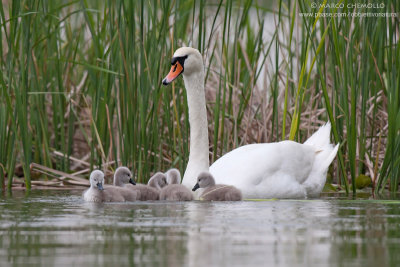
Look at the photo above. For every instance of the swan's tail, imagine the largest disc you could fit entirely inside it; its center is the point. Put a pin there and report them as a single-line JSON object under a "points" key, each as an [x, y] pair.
{"points": [[321, 137], [325, 153]]}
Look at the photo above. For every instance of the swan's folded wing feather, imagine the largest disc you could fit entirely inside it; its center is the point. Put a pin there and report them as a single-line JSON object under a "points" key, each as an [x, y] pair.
{"points": [[252, 165]]}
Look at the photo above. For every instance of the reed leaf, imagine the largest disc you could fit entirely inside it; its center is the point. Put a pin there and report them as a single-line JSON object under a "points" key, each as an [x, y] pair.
{"points": [[82, 80]]}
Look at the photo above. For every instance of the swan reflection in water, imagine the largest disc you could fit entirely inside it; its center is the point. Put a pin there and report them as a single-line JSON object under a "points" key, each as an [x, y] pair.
{"points": [[48, 229]]}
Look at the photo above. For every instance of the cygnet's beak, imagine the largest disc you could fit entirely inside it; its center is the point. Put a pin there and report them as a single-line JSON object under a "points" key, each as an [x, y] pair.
{"points": [[196, 187], [132, 181], [100, 186]]}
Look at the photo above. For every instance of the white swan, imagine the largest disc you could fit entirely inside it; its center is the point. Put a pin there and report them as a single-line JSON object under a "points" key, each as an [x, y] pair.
{"points": [[271, 170]]}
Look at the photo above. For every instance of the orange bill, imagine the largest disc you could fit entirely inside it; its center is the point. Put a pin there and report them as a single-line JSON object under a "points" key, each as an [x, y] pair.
{"points": [[176, 69]]}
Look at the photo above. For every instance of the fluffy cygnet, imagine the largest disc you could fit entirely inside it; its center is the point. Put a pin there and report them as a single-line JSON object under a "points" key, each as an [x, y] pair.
{"points": [[123, 177], [213, 192], [174, 191], [97, 193], [158, 181]]}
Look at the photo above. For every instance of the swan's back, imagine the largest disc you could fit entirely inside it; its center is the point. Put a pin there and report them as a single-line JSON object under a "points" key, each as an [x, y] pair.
{"points": [[278, 170], [266, 170]]}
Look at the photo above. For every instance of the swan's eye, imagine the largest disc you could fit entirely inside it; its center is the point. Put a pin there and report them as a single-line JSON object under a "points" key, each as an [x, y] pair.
{"points": [[181, 60]]}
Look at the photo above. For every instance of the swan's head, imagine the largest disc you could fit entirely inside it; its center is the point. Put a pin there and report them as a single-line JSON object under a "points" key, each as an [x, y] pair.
{"points": [[173, 176], [186, 60], [97, 179], [205, 179], [123, 176], [158, 180]]}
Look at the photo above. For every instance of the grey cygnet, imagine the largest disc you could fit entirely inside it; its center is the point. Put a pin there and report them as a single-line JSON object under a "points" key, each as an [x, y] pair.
{"points": [[216, 192], [174, 191], [99, 193], [123, 178]]}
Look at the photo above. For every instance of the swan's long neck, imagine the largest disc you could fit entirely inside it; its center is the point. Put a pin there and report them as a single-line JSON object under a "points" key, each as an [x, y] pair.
{"points": [[198, 156]]}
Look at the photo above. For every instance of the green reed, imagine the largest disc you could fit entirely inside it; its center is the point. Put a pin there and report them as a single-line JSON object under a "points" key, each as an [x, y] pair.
{"points": [[83, 79]]}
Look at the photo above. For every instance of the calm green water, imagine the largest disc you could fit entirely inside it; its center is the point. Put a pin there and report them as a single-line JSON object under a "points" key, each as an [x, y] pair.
{"points": [[54, 228]]}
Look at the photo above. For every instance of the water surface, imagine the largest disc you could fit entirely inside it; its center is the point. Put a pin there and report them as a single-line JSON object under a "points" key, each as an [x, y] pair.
{"points": [[49, 228]]}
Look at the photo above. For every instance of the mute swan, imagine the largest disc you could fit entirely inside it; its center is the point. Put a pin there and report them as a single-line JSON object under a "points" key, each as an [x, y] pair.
{"points": [[174, 191], [213, 192], [270, 170], [97, 193], [123, 178]]}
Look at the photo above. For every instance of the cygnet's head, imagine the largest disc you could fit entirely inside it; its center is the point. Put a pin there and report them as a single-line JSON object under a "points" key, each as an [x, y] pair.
{"points": [[186, 60], [123, 176], [205, 179], [158, 180], [97, 179], [173, 176]]}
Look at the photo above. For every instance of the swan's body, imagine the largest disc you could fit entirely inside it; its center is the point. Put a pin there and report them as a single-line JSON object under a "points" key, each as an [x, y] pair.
{"points": [[275, 170], [174, 191]]}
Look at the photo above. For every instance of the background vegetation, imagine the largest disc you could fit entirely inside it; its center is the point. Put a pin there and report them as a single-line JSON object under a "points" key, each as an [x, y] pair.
{"points": [[80, 83]]}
